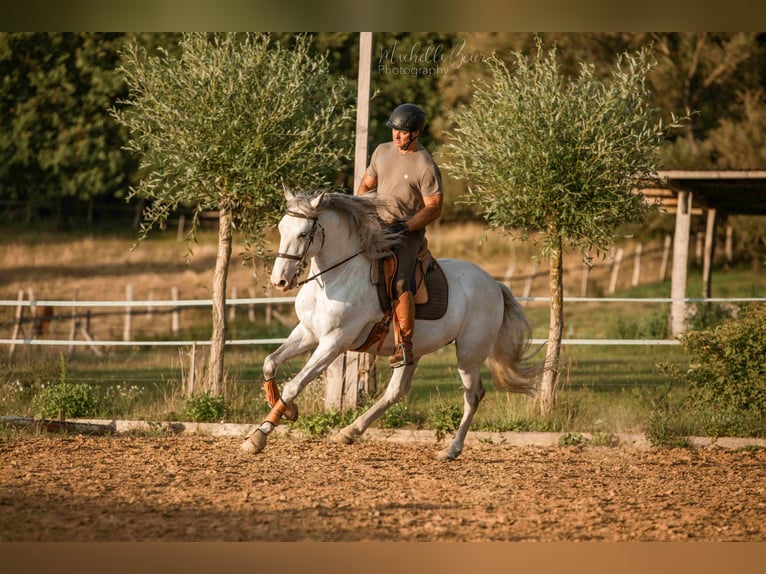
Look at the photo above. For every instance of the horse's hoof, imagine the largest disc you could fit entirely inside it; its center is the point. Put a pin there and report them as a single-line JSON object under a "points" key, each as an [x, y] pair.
{"points": [[344, 437], [445, 455], [291, 413], [254, 443]]}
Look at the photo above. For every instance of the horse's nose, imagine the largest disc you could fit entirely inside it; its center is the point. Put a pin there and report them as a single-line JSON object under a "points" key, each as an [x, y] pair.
{"points": [[282, 284]]}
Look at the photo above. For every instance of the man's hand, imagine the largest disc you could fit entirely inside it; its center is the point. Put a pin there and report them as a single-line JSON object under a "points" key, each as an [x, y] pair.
{"points": [[397, 228]]}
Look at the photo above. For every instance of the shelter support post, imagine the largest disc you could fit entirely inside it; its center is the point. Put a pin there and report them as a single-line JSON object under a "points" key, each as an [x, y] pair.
{"points": [[707, 264], [352, 374], [680, 263]]}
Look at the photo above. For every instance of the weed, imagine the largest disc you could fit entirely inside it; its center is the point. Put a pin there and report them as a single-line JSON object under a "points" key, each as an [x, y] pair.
{"points": [[651, 326], [62, 400], [444, 418], [605, 439], [572, 439], [205, 407], [665, 425], [320, 424], [397, 416]]}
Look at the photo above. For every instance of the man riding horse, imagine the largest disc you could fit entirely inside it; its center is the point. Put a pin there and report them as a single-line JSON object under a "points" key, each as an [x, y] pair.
{"points": [[408, 181]]}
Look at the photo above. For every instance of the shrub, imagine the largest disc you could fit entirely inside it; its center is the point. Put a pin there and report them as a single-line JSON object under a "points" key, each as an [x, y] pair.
{"points": [[665, 423], [397, 416], [652, 326], [707, 316], [206, 407], [727, 367], [445, 418], [572, 439], [320, 424], [67, 400]]}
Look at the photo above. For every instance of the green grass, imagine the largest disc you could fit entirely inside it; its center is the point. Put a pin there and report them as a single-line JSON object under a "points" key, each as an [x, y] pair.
{"points": [[603, 389]]}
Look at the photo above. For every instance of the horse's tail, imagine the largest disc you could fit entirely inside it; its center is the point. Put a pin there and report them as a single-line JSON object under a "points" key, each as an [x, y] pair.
{"points": [[511, 348]]}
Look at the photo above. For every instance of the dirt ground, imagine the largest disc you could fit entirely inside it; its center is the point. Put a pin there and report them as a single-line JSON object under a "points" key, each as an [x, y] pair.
{"points": [[193, 488]]}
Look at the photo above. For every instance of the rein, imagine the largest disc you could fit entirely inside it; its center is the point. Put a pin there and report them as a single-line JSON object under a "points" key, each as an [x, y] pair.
{"points": [[301, 259], [349, 258]]}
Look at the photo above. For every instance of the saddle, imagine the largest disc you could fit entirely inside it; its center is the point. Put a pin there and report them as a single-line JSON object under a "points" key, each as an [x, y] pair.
{"points": [[428, 284]]}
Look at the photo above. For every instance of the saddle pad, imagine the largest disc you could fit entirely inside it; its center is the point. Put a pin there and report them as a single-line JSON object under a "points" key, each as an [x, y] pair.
{"points": [[438, 293]]}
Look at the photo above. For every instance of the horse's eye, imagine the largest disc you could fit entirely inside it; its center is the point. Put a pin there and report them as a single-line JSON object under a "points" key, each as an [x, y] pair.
{"points": [[304, 235]]}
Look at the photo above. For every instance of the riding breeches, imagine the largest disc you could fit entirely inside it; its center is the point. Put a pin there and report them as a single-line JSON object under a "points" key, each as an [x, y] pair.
{"points": [[407, 254]]}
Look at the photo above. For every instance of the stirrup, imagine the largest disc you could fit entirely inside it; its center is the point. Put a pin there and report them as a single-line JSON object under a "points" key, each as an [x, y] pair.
{"points": [[401, 357]]}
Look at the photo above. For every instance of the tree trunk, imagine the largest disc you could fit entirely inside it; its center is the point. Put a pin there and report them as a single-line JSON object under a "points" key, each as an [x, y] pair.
{"points": [[555, 331], [215, 368]]}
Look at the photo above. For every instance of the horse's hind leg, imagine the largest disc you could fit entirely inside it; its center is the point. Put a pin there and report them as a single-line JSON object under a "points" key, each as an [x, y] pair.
{"points": [[473, 392], [397, 388]]}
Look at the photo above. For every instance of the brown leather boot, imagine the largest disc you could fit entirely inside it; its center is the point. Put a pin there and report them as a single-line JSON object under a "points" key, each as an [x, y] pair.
{"points": [[404, 311]]}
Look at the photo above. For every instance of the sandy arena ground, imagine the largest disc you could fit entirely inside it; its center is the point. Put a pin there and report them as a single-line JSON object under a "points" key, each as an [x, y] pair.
{"points": [[203, 488]]}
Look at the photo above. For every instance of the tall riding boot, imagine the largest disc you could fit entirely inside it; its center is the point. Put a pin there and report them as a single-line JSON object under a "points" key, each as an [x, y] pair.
{"points": [[404, 310]]}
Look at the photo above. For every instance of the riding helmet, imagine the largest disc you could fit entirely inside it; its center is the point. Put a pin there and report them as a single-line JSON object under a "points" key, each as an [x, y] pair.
{"points": [[407, 118]]}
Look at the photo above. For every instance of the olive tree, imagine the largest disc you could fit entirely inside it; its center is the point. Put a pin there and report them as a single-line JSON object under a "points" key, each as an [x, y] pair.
{"points": [[557, 160], [222, 126]]}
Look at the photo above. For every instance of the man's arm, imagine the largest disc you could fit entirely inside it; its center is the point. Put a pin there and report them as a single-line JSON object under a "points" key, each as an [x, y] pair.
{"points": [[368, 183], [430, 212]]}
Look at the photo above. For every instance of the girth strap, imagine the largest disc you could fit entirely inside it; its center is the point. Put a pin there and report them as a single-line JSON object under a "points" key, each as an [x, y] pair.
{"points": [[377, 334]]}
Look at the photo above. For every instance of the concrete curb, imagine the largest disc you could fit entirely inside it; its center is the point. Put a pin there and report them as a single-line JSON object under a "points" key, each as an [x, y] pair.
{"points": [[407, 436]]}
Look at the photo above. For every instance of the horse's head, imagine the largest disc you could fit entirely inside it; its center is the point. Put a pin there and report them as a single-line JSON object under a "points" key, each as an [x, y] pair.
{"points": [[300, 238]]}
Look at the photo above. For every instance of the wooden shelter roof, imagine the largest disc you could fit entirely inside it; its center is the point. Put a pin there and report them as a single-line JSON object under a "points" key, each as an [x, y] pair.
{"points": [[734, 192]]}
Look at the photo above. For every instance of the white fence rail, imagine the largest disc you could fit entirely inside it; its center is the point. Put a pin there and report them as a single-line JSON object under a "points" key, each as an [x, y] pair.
{"points": [[281, 300]]}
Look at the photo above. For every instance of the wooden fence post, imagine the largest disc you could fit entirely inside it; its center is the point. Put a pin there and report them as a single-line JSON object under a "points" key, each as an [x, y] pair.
{"points": [[268, 310], [180, 231], [32, 311], [175, 320], [75, 324], [127, 327], [665, 258], [251, 307], [150, 308], [615, 271], [530, 280], [232, 307], [191, 381], [636, 279], [586, 267], [18, 318]]}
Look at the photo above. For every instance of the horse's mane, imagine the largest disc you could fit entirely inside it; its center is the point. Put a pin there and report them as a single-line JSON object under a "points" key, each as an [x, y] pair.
{"points": [[362, 214]]}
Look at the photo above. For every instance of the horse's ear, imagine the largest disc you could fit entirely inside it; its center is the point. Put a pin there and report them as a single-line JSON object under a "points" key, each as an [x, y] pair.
{"points": [[288, 194], [317, 200]]}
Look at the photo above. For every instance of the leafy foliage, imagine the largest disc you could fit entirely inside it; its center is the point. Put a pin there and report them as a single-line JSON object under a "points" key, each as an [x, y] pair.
{"points": [[445, 418], [320, 424], [558, 155], [397, 416], [558, 158], [57, 140], [665, 424], [230, 120], [205, 407], [727, 364], [68, 400]]}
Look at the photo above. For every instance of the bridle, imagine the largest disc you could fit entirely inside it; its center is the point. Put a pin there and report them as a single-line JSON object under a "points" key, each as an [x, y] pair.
{"points": [[301, 259]]}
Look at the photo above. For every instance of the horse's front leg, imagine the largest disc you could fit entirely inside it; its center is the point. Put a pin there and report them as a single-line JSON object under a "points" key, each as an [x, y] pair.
{"points": [[328, 349], [299, 341]]}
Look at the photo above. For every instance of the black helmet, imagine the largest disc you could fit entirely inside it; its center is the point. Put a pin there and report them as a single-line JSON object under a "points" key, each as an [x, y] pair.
{"points": [[407, 118]]}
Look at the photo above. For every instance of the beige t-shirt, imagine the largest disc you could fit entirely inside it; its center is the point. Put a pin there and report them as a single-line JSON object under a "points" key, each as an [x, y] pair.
{"points": [[403, 180]]}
